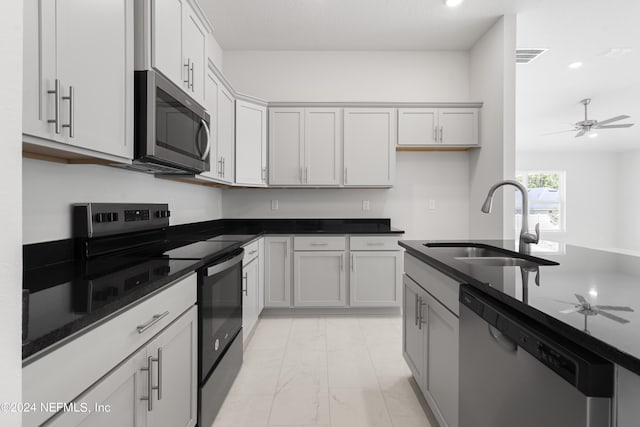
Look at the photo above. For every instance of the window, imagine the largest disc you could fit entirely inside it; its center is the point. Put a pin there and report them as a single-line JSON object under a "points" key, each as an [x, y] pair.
{"points": [[546, 199]]}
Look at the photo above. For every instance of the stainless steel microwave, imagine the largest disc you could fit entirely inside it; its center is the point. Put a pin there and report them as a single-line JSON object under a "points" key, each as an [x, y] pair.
{"points": [[171, 129]]}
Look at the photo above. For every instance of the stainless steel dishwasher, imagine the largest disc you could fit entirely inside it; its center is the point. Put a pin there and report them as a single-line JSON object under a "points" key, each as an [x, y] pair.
{"points": [[514, 375]]}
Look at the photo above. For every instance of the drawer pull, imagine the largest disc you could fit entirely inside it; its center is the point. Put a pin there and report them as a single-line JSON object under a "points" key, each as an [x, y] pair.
{"points": [[320, 244], [375, 243], [253, 252], [155, 319]]}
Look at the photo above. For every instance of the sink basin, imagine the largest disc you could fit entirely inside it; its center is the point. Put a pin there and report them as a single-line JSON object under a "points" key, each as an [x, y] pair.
{"points": [[499, 261], [481, 254]]}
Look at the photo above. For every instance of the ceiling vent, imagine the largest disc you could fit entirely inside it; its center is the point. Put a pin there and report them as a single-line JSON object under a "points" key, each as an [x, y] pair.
{"points": [[527, 55]]}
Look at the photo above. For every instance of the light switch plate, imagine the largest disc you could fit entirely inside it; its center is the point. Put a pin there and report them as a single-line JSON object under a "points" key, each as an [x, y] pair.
{"points": [[366, 205], [432, 204], [274, 205]]}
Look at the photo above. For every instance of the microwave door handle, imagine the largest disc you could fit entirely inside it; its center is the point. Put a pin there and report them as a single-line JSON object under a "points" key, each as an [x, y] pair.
{"points": [[206, 131]]}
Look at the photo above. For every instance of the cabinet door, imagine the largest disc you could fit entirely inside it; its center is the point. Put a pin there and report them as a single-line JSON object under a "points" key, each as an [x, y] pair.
{"points": [[417, 126], [442, 361], [194, 53], [115, 400], [319, 279], [286, 146], [375, 278], [277, 272], [211, 104], [323, 146], [413, 336], [226, 137], [39, 69], [260, 275], [249, 298], [458, 126], [95, 58], [175, 373], [251, 135], [166, 42], [369, 146]]}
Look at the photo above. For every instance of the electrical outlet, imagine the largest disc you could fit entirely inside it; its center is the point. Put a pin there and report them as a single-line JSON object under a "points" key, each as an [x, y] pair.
{"points": [[274, 205], [366, 205], [432, 204]]}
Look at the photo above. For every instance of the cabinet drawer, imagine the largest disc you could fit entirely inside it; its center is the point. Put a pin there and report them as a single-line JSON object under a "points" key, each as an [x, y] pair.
{"points": [[444, 289], [53, 378], [320, 243], [250, 252], [374, 243]]}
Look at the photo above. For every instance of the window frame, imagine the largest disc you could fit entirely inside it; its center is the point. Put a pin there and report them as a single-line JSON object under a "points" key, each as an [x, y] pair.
{"points": [[562, 190]]}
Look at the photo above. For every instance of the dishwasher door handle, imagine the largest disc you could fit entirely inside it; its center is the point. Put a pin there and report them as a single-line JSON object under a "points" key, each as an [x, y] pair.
{"points": [[503, 341]]}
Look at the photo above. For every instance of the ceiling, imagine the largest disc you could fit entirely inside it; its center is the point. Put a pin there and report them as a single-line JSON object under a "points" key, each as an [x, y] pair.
{"points": [[548, 92]]}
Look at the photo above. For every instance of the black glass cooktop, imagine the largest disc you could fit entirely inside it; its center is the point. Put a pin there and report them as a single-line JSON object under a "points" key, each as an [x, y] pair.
{"points": [[590, 294], [199, 250]]}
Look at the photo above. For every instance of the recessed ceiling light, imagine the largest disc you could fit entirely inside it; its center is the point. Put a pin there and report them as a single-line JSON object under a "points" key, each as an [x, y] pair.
{"points": [[575, 65], [593, 293], [593, 135], [453, 3]]}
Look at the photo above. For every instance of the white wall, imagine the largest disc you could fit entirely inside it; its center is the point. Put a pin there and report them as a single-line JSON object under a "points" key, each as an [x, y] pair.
{"points": [[420, 176], [10, 214], [349, 76], [492, 80], [628, 208], [591, 197], [364, 76], [50, 188]]}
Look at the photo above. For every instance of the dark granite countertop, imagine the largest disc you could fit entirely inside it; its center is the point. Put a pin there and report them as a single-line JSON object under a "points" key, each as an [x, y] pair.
{"points": [[64, 295], [545, 294]]}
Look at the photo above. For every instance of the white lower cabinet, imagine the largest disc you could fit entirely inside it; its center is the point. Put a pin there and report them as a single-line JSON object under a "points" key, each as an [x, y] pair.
{"points": [[155, 387], [375, 278], [249, 298], [319, 279], [430, 348], [277, 271]]}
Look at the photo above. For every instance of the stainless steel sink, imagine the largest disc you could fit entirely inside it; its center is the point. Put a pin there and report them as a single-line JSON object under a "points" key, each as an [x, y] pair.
{"points": [[481, 254], [499, 261]]}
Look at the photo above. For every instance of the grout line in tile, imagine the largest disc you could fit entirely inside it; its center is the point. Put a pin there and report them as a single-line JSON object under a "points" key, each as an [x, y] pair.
{"points": [[273, 397]]}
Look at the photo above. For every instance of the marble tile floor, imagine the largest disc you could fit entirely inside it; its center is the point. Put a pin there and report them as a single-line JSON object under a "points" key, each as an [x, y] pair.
{"points": [[325, 371]]}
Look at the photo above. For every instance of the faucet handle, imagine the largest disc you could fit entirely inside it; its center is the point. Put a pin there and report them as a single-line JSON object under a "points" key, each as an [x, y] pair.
{"points": [[537, 229], [531, 237]]}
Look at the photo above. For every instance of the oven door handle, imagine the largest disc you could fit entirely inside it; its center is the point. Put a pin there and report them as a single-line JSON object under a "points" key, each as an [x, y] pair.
{"points": [[215, 269]]}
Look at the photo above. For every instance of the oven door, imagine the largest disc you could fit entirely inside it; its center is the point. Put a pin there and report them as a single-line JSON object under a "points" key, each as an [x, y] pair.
{"points": [[220, 309], [171, 128]]}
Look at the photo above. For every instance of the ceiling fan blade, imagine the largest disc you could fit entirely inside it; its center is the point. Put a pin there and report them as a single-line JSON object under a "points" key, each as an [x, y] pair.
{"points": [[581, 299], [626, 125], [615, 308], [612, 317], [581, 133], [557, 132], [571, 310], [613, 119]]}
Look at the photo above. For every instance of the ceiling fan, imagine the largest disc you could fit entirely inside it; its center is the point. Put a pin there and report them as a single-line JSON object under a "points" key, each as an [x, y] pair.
{"points": [[585, 126]]}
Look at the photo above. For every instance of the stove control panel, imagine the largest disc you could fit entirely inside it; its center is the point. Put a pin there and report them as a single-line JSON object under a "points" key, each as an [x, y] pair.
{"points": [[105, 219]]}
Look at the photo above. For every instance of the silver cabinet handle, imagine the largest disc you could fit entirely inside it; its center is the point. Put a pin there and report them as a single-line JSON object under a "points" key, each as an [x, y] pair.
{"points": [[375, 243], [208, 134], [319, 244], [71, 124], [245, 279], [417, 311], [264, 174], [224, 167], [56, 106], [252, 252], [421, 321], [150, 386], [159, 360], [441, 134], [155, 319], [188, 66], [220, 166], [192, 77]]}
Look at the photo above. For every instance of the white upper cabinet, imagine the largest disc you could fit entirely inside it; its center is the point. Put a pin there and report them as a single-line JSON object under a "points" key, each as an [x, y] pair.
{"points": [[78, 76], [417, 126], [458, 126], [438, 126], [226, 135], [179, 45], [286, 146], [369, 146], [323, 146], [251, 143]]}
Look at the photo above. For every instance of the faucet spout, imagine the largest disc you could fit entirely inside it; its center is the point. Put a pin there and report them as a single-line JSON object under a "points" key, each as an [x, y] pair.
{"points": [[526, 238]]}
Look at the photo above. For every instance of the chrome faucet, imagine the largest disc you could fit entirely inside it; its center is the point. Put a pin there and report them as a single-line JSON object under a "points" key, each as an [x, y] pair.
{"points": [[526, 238]]}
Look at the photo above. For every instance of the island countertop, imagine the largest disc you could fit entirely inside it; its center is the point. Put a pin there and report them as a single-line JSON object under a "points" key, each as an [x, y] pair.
{"points": [[602, 288]]}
